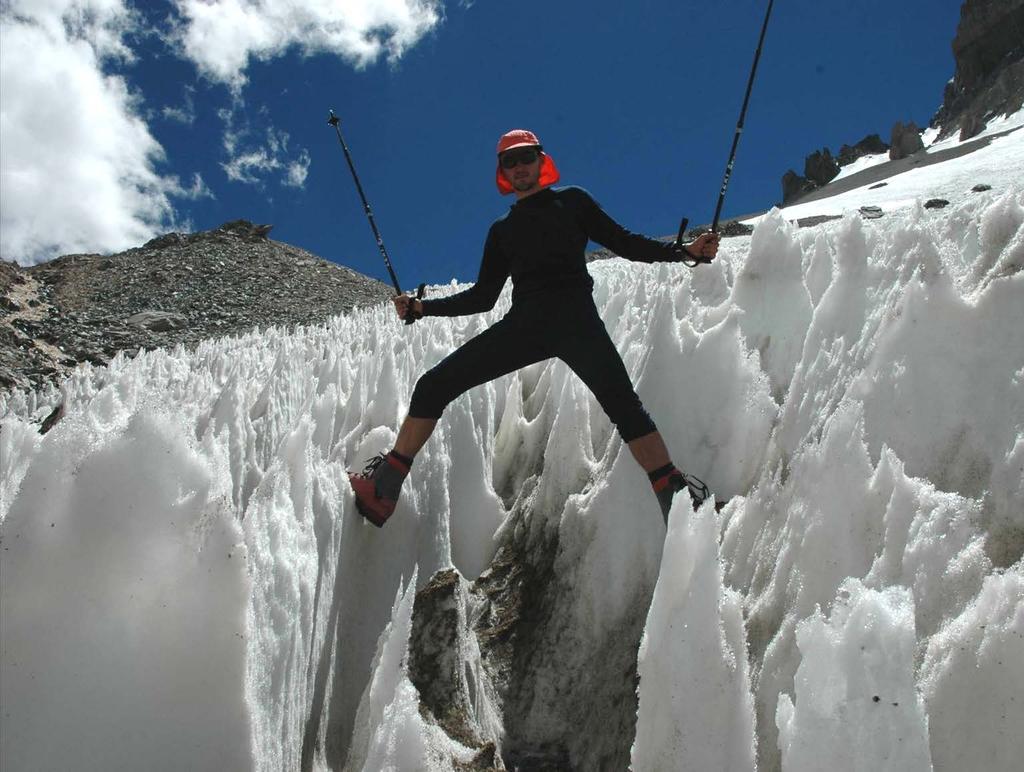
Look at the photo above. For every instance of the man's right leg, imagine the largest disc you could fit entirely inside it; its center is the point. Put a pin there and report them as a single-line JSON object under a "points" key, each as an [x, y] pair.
{"points": [[496, 351]]}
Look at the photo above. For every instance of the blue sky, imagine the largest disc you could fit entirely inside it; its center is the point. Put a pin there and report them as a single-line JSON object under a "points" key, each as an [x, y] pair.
{"points": [[201, 111]]}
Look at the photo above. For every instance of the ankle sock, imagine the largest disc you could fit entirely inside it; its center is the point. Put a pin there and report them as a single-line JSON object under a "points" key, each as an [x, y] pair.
{"points": [[405, 460], [663, 471]]}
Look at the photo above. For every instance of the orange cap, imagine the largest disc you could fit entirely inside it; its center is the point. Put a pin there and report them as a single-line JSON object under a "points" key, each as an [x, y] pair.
{"points": [[521, 138], [516, 138]]}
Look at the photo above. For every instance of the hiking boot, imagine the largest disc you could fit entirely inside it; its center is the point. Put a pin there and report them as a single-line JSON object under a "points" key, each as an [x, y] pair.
{"points": [[377, 487], [666, 488]]}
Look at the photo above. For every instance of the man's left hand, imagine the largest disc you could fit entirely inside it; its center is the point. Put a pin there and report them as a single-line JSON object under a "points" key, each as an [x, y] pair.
{"points": [[702, 249]]}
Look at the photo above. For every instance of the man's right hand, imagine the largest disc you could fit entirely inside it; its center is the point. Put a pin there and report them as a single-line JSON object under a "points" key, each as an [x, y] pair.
{"points": [[403, 304]]}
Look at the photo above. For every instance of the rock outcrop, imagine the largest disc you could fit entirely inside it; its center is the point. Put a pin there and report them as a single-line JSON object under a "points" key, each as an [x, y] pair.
{"points": [[820, 167], [872, 144], [794, 186], [906, 140], [989, 77]]}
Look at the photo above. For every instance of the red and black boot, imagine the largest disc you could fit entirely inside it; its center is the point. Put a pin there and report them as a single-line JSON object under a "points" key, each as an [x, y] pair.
{"points": [[378, 486], [668, 481]]}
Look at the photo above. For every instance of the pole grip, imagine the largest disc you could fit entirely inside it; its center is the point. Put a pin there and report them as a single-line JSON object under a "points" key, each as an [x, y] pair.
{"points": [[682, 231], [420, 292]]}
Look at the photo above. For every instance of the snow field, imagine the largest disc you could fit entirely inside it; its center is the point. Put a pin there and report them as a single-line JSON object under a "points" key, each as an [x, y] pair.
{"points": [[183, 567], [999, 164]]}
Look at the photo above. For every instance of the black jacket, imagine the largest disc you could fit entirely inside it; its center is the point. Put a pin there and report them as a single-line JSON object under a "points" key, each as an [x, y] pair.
{"points": [[541, 243]]}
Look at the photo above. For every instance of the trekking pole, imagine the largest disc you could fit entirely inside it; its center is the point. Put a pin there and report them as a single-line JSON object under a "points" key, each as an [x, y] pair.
{"points": [[739, 124], [736, 136], [335, 122]]}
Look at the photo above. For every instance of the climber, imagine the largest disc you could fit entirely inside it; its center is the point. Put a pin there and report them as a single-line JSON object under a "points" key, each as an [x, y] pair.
{"points": [[540, 242]]}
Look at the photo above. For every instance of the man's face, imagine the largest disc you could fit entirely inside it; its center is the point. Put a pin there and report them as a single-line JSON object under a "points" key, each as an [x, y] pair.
{"points": [[521, 167]]}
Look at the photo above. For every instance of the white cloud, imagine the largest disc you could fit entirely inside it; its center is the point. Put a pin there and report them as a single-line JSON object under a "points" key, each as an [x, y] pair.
{"points": [[298, 171], [194, 192], [249, 167], [184, 113], [221, 36], [77, 162], [254, 161], [80, 170]]}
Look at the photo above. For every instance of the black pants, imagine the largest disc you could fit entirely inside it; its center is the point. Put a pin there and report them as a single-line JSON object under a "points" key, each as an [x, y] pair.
{"points": [[566, 326]]}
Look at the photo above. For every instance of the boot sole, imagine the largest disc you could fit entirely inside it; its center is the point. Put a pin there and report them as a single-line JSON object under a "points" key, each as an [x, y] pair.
{"points": [[369, 514]]}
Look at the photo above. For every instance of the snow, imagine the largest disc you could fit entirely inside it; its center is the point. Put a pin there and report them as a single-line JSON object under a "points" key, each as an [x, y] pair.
{"points": [[855, 698], [696, 709], [184, 578], [862, 163]]}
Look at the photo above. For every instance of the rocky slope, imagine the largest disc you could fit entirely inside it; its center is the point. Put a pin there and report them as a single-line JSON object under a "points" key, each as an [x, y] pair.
{"points": [[175, 289]]}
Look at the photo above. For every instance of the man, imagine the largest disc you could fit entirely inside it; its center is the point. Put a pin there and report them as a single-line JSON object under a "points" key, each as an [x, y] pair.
{"points": [[541, 244]]}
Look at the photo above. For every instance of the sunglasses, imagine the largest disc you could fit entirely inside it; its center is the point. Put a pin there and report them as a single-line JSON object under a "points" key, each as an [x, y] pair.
{"points": [[520, 155]]}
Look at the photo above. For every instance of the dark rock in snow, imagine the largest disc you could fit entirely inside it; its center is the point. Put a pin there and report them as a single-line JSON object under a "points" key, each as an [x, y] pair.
{"points": [[51, 420], [818, 219], [935, 203], [879, 185], [906, 140], [981, 188], [871, 212]]}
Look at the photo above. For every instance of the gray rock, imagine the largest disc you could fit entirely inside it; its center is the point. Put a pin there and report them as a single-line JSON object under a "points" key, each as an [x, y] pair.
{"points": [[818, 219], [51, 420], [158, 321], [160, 242], [452, 686], [981, 188], [871, 212], [906, 140], [935, 203]]}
